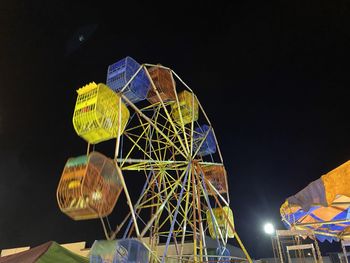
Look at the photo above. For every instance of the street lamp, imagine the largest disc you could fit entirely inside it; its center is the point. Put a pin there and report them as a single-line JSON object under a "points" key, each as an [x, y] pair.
{"points": [[269, 228]]}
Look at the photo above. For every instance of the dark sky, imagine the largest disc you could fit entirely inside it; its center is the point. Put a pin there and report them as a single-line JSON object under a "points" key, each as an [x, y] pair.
{"points": [[273, 79]]}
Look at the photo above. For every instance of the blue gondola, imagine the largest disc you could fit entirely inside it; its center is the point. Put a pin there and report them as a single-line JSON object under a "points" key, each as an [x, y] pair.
{"points": [[121, 72]]}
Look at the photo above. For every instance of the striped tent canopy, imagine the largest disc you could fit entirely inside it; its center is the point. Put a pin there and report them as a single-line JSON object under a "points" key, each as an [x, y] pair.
{"points": [[323, 206]]}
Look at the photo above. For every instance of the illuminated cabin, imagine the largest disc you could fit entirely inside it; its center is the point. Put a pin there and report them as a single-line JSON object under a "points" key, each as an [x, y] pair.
{"points": [[102, 251], [224, 218], [121, 72], [188, 107], [163, 81], [89, 187], [96, 113], [217, 176], [222, 255], [119, 251], [204, 140]]}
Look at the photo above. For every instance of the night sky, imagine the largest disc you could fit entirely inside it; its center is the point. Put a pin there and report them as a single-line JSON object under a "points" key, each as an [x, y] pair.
{"points": [[272, 77]]}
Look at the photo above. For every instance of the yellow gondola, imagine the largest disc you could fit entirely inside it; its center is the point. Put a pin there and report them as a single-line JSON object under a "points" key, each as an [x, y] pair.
{"points": [[188, 106], [224, 220], [96, 113]]}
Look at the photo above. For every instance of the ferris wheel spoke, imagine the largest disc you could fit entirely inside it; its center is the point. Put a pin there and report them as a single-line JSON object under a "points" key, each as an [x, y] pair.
{"points": [[201, 143], [185, 218], [153, 125], [141, 137], [217, 229], [186, 149], [146, 202], [157, 226], [136, 127], [163, 204], [172, 133], [176, 101], [171, 210], [151, 165], [136, 145], [157, 139], [163, 123], [182, 123], [192, 127], [214, 191]]}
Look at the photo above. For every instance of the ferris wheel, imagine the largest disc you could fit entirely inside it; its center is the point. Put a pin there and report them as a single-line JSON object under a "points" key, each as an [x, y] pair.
{"points": [[161, 132]]}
